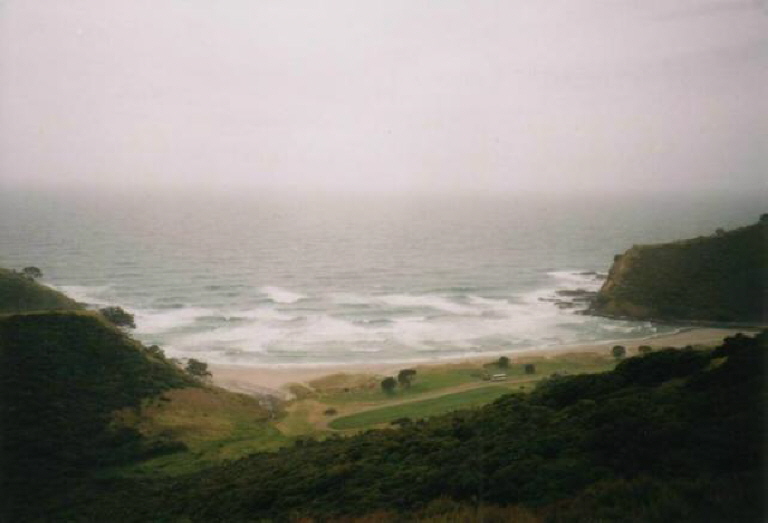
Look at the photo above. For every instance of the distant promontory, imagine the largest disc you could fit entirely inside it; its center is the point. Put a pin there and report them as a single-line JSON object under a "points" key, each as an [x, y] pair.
{"points": [[717, 278]]}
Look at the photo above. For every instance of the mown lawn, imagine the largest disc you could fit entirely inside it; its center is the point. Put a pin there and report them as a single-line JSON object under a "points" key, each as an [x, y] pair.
{"points": [[420, 409], [452, 375]]}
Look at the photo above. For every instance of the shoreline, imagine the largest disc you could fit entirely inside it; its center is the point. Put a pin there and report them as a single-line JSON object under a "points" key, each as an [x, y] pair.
{"points": [[271, 379]]}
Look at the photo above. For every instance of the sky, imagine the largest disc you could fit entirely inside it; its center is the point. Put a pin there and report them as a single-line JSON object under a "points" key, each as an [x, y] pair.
{"points": [[507, 96]]}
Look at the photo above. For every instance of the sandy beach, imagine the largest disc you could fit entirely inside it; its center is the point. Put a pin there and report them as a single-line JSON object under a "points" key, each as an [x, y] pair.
{"points": [[270, 379]]}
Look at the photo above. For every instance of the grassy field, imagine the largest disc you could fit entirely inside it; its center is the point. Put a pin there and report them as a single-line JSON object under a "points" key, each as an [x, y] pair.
{"points": [[217, 425], [214, 424], [420, 409], [433, 378], [427, 380]]}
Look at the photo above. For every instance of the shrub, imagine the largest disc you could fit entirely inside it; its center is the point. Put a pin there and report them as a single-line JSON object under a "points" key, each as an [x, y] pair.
{"points": [[118, 316], [388, 384], [32, 272], [405, 376], [197, 368]]}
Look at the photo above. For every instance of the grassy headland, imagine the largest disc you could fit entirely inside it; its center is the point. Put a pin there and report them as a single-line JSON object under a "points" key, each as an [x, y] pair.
{"points": [[20, 293], [719, 278]]}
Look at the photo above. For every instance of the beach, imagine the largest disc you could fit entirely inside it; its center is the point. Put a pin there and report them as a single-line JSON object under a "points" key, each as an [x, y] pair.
{"points": [[271, 379]]}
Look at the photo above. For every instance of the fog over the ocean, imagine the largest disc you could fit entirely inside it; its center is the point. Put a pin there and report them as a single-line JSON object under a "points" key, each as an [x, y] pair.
{"points": [[449, 96]]}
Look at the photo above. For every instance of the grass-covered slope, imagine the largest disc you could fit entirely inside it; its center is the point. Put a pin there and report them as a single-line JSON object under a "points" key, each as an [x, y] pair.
{"points": [[19, 293], [715, 278], [62, 375], [675, 435]]}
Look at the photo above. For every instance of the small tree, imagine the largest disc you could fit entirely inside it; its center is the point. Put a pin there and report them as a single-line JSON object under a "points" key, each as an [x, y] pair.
{"points": [[118, 316], [32, 273], [405, 377], [644, 349], [197, 368], [619, 351], [503, 362], [388, 384], [155, 350], [530, 368]]}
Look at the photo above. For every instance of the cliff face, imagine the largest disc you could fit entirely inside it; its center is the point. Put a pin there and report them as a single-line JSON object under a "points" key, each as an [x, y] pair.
{"points": [[713, 278]]}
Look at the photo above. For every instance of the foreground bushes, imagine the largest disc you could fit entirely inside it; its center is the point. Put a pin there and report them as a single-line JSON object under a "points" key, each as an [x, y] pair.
{"points": [[674, 435]]}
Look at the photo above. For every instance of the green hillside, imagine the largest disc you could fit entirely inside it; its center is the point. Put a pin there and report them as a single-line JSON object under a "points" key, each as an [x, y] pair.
{"points": [[79, 397], [19, 293], [675, 435], [715, 278], [63, 374]]}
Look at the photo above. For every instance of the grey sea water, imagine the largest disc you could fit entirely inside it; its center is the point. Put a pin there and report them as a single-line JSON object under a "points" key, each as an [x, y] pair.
{"points": [[254, 278]]}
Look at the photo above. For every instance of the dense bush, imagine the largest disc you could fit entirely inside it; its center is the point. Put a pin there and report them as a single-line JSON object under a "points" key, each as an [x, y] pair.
{"points": [[388, 384], [675, 435], [118, 316], [62, 375], [197, 368]]}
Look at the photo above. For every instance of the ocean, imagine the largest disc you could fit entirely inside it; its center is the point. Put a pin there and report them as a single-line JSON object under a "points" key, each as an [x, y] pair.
{"points": [[255, 278]]}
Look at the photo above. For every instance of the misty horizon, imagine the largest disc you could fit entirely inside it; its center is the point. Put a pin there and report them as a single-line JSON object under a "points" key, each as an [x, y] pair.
{"points": [[481, 98]]}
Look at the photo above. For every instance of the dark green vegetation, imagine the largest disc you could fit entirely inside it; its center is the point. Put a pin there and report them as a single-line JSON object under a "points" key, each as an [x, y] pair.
{"points": [[673, 435], [20, 293], [388, 384], [718, 278], [118, 316], [32, 272], [197, 368], [78, 398], [405, 377], [63, 374]]}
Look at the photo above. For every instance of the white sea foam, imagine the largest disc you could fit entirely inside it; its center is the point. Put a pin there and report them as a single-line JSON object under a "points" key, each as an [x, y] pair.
{"points": [[260, 313], [360, 326], [279, 295], [164, 320], [406, 301], [432, 302], [575, 280]]}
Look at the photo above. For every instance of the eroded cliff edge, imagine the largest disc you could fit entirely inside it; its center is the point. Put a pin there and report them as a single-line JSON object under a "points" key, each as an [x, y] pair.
{"points": [[719, 278]]}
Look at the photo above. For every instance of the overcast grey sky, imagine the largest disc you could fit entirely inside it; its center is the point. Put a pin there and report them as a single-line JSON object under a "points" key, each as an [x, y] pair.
{"points": [[395, 95]]}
